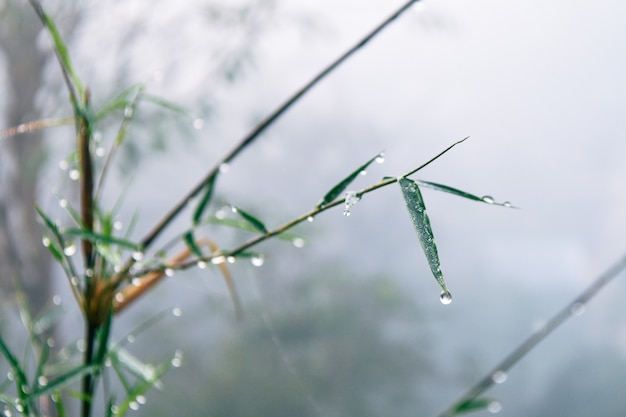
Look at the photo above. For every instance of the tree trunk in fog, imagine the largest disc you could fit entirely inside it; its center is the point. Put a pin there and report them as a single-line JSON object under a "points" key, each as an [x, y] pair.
{"points": [[23, 259]]}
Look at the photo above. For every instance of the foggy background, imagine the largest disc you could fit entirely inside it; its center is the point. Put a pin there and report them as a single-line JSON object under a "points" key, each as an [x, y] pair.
{"points": [[538, 87]]}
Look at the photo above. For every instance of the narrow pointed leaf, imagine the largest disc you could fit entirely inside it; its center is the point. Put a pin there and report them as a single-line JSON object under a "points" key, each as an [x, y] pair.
{"points": [[192, 245], [460, 193], [206, 197], [421, 223], [243, 225], [100, 238], [341, 186], [64, 380], [253, 221], [474, 404], [121, 101]]}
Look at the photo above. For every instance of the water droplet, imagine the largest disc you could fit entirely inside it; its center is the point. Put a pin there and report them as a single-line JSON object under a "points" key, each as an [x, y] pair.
{"points": [[7, 411], [488, 199], [507, 204], [114, 409], [350, 200], [70, 249], [364, 172], [89, 272], [97, 136], [42, 381], [74, 174], [137, 255], [50, 342], [133, 405], [63, 203], [141, 399], [177, 312], [346, 212], [201, 264], [298, 242], [136, 282], [128, 111], [177, 360], [218, 260], [80, 345], [45, 241], [231, 259], [494, 407], [169, 272], [63, 165], [499, 377], [224, 168], [257, 260], [310, 219], [119, 297], [445, 297], [131, 338], [380, 158], [221, 214], [234, 209], [198, 123], [577, 309], [56, 300], [74, 281], [19, 407], [118, 225], [25, 389], [10, 376], [100, 151]]}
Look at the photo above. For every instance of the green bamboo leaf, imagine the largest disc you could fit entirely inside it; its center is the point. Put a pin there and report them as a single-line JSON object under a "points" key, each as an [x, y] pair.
{"points": [[140, 388], [121, 101], [128, 362], [191, 244], [166, 104], [204, 201], [253, 221], [446, 189], [64, 380], [341, 186], [244, 225], [102, 239], [53, 248], [421, 223], [473, 404]]}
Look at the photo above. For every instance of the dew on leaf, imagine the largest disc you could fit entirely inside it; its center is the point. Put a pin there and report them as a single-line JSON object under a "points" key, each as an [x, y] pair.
{"points": [[488, 199], [74, 174], [298, 242], [70, 249], [310, 219], [224, 167], [499, 377], [201, 264], [257, 260], [494, 407], [380, 158], [169, 272], [137, 255], [445, 297]]}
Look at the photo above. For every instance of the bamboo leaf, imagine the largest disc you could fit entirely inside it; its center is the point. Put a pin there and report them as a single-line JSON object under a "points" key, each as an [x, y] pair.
{"points": [[191, 244], [100, 238], [336, 191], [121, 101], [253, 221], [244, 225], [474, 404], [65, 380], [421, 223], [446, 189], [206, 197]]}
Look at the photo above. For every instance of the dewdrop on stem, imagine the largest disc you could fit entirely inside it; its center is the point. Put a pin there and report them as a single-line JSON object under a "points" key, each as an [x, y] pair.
{"points": [[445, 297], [351, 199]]}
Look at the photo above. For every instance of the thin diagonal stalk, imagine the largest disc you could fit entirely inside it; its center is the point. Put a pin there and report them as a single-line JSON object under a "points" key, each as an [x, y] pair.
{"points": [[269, 120], [527, 345]]}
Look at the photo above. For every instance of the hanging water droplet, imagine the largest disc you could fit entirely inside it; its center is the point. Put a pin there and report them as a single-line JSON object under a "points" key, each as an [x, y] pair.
{"points": [[97, 136], [198, 123], [234, 209], [63, 203], [141, 399], [499, 377], [19, 407], [310, 219], [488, 199], [10, 376], [350, 200], [364, 172], [25, 389], [218, 260], [80, 345], [494, 407], [131, 338], [70, 249], [50, 342], [298, 242], [137, 255], [201, 264], [56, 300], [118, 225], [231, 259], [169, 272], [507, 204], [136, 282], [380, 158], [224, 168], [445, 297], [133, 405], [100, 151], [257, 260], [177, 360], [119, 297], [177, 312], [221, 213], [63, 165], [115, 409], [128, 111], [74, 281], [45, 241], [42, 381], [74, 174], [7, 411], [89, 272], [577, 309]]}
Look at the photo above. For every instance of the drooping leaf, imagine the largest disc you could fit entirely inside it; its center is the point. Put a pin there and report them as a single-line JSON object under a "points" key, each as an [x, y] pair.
{"points": [[253, 221], [474, 404], [192, 245], [100, 238], [336, 191], [417, 211], [460, 193], [204, 201]]}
